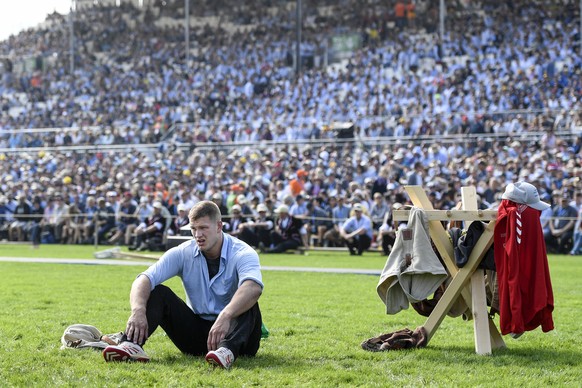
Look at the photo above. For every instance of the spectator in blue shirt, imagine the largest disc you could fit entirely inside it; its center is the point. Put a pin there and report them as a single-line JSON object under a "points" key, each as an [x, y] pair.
{"points": [[559, 238], [222, 279], [5, 218], [340, 214], [357, 231]]}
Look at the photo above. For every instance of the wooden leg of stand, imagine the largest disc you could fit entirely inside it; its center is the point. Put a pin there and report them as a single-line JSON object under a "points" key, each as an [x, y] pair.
{"points": [[497, 341], [480, 316]]}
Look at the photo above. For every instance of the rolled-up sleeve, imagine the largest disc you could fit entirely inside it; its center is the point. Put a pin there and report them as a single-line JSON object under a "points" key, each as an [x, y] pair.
{"points": [[169, 265], [249, 268]]}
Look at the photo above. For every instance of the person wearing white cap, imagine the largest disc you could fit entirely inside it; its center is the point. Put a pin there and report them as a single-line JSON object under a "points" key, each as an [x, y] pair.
{"points": [[233, 226], [258, 230], [150, 234], [179, 221], [217, 198], [289, 232], [357, 231], [242, 201]]}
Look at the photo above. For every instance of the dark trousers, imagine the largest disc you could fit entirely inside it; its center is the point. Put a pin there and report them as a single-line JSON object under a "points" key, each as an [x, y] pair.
{"points": [[249, 237], [35, 233], [189, 332], [102, 231], [561, 245], [281, 244], [388, 240], [359, 244], [152, 239]]}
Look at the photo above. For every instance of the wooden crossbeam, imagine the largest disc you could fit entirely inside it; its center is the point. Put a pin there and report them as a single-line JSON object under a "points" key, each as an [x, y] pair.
{"points": [[459, 281], [486, 334], [449, 215], [438, 235]]}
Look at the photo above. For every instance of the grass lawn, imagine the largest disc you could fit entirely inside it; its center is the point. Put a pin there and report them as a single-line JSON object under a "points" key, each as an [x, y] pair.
{"points": [[317, 322]]}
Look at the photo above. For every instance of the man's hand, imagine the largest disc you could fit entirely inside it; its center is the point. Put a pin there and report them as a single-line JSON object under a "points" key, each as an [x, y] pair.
{"points": [[218, 331], [244, 298], [137, 327]]}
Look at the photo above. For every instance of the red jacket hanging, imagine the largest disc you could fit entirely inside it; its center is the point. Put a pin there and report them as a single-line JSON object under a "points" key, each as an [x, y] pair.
{"points": [[526, 300]]}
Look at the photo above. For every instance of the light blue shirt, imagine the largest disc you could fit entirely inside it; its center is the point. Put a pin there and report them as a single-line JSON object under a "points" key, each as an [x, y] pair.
{"points": [[352, 224], [340, 214], [298, 210], [208, 297]]}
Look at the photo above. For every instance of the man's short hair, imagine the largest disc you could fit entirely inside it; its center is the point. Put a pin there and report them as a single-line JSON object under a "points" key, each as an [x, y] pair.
{"points": [[205, 209]]}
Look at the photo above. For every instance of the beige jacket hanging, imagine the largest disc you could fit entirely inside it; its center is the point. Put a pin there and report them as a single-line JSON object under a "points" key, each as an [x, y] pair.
{"points": [[412, 272]]}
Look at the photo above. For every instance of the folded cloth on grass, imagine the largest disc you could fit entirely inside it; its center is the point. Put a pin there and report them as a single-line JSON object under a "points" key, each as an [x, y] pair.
{"points": [[401, 339], [79, 336]]}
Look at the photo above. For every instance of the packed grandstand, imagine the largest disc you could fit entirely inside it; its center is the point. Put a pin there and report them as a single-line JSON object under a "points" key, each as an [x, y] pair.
{"points": [[377, 99]]}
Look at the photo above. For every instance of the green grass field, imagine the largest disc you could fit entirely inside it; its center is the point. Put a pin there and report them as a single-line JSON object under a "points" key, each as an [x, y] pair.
{"points": [[316, 320]]}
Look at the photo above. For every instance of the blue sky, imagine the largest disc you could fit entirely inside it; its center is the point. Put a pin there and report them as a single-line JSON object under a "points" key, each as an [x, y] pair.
{"points": [[16, 15]]}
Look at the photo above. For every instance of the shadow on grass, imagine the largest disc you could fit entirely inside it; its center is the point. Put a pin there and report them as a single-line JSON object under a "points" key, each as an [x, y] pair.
{"points": [[243, 362], [529, 357]]}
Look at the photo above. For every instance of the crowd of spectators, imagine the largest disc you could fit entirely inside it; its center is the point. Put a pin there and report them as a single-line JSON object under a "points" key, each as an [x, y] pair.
{"points": [[510, 69], [270, 176], [132, 81]]}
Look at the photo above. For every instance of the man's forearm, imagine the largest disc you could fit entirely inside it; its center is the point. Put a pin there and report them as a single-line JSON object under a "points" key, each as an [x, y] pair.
{"points": [[137, 329], [140, 293], [244, 298]]}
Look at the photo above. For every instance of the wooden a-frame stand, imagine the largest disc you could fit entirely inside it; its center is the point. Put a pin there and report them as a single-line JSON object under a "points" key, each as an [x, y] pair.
{"points": [[487, 336]]}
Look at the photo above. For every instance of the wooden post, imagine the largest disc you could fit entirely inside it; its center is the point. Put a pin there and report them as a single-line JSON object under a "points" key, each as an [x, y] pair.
{"points": [[438, 235], [486, 334], [479, 305]]}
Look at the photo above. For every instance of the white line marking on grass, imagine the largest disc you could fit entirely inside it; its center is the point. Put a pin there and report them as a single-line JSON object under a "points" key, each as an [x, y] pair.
{"points": [[148, 263]]}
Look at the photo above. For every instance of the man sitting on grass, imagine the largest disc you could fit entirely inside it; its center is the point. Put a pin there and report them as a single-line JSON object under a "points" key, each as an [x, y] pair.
{"points": [[222, 279]]}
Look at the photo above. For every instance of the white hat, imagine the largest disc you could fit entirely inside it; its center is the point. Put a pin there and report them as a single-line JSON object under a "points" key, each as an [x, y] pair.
{"points": [[358, 207], [235, 207], [181, 207], [241, 199], [217, 196], [525, 193], [282, 209], [157, 205], [261, 207]]}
